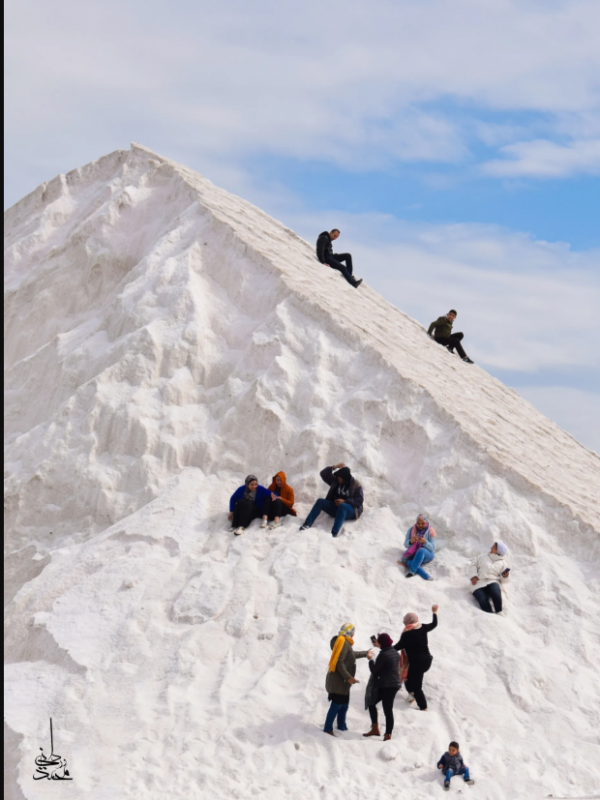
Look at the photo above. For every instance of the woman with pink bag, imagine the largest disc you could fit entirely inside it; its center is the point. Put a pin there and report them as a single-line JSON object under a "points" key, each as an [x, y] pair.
{"points": [[420, 548]]}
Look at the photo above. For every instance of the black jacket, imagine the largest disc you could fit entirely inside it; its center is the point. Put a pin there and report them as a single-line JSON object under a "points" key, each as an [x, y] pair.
{"points": [[351, 493], [385, 668], [451, 762], [414, 643], [324, 247]]}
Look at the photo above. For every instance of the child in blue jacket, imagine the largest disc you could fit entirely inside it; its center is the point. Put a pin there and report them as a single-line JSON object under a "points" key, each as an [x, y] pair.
{"points": [[451, 763]]}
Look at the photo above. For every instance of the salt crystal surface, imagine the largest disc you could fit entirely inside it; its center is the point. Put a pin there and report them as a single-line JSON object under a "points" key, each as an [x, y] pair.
{"points": [[164, 338]]}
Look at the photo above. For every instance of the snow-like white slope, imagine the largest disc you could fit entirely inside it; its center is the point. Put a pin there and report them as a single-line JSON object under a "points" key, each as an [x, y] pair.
{"points": [[164, 338]]}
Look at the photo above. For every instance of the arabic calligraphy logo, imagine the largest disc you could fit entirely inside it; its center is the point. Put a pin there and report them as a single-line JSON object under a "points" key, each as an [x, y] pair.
{"points": [[52, 767]]}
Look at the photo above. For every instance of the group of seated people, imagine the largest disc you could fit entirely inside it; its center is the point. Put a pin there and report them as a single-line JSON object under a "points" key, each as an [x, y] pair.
{"points": [[344, 501]]}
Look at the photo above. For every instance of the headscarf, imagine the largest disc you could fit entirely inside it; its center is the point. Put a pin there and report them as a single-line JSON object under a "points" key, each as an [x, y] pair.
{"points": [[345, 635], [384, 639], [427, 529], [501, 548], [248, 495], [410, 619]]}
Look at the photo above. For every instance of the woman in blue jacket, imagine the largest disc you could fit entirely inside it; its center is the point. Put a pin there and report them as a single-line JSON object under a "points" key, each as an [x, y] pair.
{"points": [[420, 548], [247, 503]]}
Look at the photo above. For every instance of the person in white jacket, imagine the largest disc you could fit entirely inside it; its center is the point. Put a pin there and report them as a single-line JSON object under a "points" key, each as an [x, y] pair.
{"points": [[491, 570]]}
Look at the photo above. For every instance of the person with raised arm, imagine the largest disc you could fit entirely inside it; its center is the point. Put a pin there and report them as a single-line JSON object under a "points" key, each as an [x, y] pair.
{"points": [[344, 500], [415, 657], [340, 261], [340, 677], [441, 331], [248, 502], [491, 571], [419, 544]]}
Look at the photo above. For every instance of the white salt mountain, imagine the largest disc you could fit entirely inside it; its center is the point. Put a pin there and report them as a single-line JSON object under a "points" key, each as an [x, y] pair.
{"points": [[163, 339]]}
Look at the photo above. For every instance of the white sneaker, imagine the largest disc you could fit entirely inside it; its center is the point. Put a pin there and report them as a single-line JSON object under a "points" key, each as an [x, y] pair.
{"points": [[274, 525], [263, 523], [239, 531]]}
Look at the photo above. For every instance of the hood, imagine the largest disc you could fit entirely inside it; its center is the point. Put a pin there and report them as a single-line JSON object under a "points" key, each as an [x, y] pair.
{"points": [[280, 474], [345, 474]]}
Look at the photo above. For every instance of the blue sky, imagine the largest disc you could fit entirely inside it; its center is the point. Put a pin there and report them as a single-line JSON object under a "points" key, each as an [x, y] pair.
{"points": [[455, 142]]}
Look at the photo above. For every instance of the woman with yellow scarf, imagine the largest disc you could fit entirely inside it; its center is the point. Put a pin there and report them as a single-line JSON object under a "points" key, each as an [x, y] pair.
{"points": [[340, 677]]}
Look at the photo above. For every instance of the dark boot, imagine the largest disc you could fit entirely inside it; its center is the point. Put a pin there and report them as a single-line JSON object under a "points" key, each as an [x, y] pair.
{"points": [[374, 730], [387, 737]]}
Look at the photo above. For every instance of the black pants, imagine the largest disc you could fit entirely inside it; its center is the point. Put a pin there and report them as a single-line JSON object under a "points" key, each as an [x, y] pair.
{"points": [[276, 508], [386, 695], [414, 680], [491, 592], [452, 341], [244, 512], [335, 263]]}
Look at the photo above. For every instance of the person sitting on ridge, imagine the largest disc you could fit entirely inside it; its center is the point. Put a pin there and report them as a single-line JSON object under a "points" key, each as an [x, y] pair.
{"points": [[281, 501], [247, 503], [326, 256], [443, 334], [344, 499]]}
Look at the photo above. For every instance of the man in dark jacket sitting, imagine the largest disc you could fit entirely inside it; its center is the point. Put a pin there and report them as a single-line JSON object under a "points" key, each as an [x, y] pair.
{"points": [[344, 499], [326, 256], [441, 331]]}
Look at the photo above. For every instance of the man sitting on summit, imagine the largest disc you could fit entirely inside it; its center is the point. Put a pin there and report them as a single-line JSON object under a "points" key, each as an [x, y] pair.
{"points": [[443, 334], [326, 256]]}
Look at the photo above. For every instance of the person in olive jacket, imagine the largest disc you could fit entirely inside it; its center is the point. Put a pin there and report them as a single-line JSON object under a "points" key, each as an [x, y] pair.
{"points": [[386, 675], [441, 331], [344, 500], [340, 677]]}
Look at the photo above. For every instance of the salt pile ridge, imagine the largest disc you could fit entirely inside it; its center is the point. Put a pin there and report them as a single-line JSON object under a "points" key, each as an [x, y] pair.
{"points": [[164, 338]]}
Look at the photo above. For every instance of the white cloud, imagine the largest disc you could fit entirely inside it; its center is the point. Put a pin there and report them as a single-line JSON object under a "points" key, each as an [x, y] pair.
{"points": [[348, 82], [544, 159]]}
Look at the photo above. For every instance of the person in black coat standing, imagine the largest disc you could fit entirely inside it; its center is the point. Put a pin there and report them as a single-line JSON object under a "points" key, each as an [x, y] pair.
{"points": [[340, 261], [415, 648], [386, 675]]}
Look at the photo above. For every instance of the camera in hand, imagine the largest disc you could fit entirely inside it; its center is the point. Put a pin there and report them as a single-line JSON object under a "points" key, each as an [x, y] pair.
{"points": [[373, 639]]}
